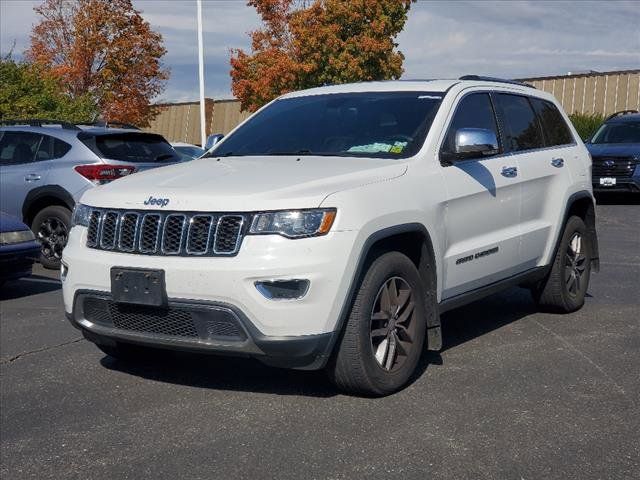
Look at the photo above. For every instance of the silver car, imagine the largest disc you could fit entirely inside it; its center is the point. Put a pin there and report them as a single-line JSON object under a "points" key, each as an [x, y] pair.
{"points": [[45, 167]]}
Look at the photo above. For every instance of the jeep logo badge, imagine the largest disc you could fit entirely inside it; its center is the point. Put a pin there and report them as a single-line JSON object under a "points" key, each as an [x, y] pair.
{"points": [[161, 202]]}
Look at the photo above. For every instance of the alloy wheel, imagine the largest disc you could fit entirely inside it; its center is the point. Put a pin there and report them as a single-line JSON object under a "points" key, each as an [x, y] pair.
{"points": [[393, 325], [575, 264], [53, 235]]}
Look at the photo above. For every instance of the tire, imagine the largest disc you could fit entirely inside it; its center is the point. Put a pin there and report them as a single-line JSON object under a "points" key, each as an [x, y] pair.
{"points": [[362, 363], [125, 352], [565, 287], [51, 227]]}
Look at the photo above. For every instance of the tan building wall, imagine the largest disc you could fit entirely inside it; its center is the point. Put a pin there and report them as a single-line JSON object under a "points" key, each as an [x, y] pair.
{"points": [[180, 122], [603, 93]]}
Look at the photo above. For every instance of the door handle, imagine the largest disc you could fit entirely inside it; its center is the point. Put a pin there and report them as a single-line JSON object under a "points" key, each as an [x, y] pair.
{"points": [[558, 162], [509, 172], [32, 177]]}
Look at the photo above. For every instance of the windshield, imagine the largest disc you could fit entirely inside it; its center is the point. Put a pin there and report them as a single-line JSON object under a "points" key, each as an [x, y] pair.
{"points": [[372, 124], [130, 147], [618, 132]]}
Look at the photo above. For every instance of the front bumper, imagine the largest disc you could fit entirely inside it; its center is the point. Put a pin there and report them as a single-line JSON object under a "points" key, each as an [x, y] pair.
{"points": [[295, 333], [623, 184], [193, 327]]}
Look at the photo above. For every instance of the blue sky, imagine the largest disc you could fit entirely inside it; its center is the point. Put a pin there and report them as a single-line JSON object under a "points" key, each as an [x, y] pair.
{"points": [[441, 39]]}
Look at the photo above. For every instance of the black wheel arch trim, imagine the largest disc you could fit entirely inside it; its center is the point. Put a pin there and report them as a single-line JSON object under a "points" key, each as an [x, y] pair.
{"points": [[590, 222], [427, 271], [36, 194]]}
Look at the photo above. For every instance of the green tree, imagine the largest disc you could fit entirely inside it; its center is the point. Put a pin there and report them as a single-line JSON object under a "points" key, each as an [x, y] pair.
{"points": [[586, 123], [26, 92], [309, 43]]}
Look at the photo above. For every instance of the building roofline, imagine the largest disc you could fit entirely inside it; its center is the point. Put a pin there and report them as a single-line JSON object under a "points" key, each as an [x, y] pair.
{"points": [[580, 75]]}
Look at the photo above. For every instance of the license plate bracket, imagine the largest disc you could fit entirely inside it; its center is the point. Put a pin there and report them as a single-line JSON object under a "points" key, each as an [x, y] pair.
{"points": [[139, 286]]}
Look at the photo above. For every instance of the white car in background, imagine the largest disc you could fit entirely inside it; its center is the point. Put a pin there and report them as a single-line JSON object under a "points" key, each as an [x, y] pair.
{"points": [[187, 151]]}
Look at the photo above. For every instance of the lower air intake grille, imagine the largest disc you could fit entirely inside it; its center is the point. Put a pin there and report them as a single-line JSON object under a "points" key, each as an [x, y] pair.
{"points": [[141, 319], [179, 322]]}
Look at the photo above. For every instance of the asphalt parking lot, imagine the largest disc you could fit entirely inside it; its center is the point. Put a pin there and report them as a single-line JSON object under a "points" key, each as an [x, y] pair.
{"points": [[514, 394]]}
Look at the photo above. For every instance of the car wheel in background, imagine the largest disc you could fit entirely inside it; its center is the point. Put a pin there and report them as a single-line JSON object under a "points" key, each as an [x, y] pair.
{"points": [[51, 227]]}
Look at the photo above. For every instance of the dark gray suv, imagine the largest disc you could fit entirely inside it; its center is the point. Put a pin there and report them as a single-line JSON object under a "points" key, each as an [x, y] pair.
{"points": [[46, 166]]}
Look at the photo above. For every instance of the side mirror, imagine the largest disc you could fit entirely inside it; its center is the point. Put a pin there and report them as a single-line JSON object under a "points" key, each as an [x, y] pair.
{"points": [[475, 142], [212, 141]]}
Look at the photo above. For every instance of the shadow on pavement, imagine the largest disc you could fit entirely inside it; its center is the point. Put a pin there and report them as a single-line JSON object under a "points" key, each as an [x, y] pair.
{"points": [[26, 287], [243, 374], [617, 198], [224, 373]]}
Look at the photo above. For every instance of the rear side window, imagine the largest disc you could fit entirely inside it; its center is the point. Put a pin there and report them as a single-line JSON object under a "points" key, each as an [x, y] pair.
{"points": [[522, 129], [556, 131], [474, 111], [19, 147], [130, 147]]}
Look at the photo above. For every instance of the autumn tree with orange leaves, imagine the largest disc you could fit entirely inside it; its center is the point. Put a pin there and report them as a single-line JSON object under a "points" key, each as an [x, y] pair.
{"points": [[308, 43], [103, 48]]}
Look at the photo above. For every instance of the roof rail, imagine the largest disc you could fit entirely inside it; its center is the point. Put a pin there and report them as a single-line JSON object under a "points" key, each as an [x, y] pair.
{"points": [[38, 122], [621, 113], [111, 125], [494, 79]]}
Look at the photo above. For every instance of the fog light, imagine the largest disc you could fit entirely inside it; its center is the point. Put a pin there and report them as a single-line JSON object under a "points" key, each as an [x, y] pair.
{"points": [[283, 289], [63, 271]]}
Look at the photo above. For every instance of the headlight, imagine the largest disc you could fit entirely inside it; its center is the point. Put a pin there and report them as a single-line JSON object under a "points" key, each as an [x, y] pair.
{"points": [[294, 223], [80, 215], [20, 236]]}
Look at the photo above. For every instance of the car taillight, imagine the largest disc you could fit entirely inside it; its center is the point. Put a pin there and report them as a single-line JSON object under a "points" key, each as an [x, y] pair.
{"points": [[101, 174]]}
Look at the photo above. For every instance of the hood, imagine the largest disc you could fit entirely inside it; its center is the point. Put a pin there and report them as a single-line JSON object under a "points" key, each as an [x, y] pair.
{"points": [[614, 149], [237, 184]]}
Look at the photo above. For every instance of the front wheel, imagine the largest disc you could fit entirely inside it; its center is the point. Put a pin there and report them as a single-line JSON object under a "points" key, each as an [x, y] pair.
{"points": [[565, 288], [51, 227], [384, 335]]}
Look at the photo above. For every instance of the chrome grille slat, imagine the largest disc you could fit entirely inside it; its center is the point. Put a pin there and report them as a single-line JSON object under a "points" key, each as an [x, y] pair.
{"points": [[165, 233], [128, 231], [109, 230], [150, 233], [173, 233], [199, 234], [227, 235]]}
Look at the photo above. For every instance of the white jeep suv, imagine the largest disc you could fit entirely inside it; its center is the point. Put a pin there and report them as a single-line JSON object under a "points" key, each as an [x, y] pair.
{"points": [[334, 226]]}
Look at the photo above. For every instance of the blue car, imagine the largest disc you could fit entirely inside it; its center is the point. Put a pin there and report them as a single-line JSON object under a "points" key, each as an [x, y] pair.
{"points": [[18, 249], [615, 149]]}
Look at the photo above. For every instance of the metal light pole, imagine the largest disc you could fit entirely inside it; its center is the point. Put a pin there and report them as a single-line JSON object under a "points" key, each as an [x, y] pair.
{"points": [[203, 131]]}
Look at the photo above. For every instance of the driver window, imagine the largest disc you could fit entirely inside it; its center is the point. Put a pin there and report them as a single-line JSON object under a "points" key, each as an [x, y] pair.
{"points": [[473, 111]]}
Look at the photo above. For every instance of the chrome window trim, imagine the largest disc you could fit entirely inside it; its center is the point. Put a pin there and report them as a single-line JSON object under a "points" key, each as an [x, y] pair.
{"points": [[465, 93], [238, 238], [164, 232]]}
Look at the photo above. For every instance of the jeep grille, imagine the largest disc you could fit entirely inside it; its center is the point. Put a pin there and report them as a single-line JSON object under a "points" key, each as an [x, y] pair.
{"points": [[166, 233]]}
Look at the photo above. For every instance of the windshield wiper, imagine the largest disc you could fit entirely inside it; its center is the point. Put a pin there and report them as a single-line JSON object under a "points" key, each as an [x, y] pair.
{"points": [[302, 151], [163, 156]]}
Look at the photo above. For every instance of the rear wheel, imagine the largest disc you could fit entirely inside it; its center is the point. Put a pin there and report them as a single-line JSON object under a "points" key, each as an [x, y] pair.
{"points": [[384, 335], [566, 286], [51, 227]]}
